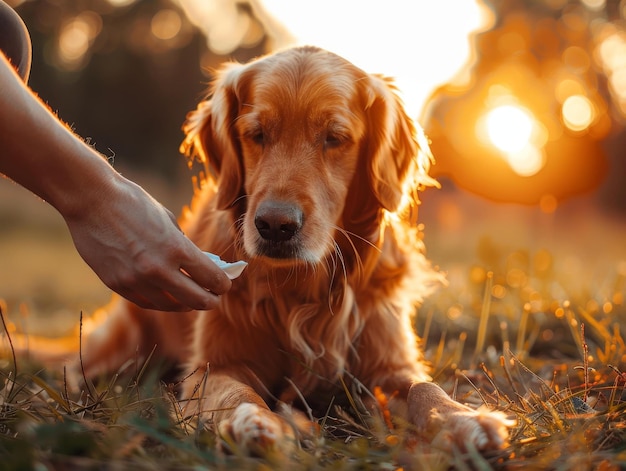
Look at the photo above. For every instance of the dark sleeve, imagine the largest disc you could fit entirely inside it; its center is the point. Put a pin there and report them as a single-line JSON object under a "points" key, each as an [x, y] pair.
{"points": [[15, 40]]}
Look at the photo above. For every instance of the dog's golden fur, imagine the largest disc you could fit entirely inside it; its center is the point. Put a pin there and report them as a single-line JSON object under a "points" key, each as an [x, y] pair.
{"points": [[312, 173]]}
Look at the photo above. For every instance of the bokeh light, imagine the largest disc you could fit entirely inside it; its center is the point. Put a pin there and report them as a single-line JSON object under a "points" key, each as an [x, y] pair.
{"points": [[509, 128], [578, 112], [611, 54], [224, 23], [76, 37], [594, 4], [166, 24], [120, 3], [74, 41]]}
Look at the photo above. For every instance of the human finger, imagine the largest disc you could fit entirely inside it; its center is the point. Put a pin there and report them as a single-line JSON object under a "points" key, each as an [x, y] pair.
{"points": [[154, 298], [205, 272], [188, 292]]}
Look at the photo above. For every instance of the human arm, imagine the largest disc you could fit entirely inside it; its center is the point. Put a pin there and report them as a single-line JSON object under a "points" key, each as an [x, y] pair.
{"points": [[130, 241]]}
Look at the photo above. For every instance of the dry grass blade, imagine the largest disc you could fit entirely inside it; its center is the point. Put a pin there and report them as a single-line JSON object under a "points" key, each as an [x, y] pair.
{"points": [[6, 331], [484, 317]]}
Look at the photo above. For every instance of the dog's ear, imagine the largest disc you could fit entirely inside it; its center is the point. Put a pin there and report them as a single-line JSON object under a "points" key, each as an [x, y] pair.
{"points": [[211, 138], [396, 151]]}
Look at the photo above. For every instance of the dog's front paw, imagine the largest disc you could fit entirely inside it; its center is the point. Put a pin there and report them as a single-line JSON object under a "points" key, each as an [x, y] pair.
{"points": [[448, 424], [482, 429], [256, 431]]}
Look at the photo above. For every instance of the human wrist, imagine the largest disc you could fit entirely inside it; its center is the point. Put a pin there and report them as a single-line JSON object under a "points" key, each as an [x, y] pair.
{"points": [[42, 154], [84, 185]]}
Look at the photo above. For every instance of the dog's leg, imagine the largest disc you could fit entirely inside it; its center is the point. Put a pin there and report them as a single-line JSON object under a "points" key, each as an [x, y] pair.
{"points": [[239, 415], [447, 423]]}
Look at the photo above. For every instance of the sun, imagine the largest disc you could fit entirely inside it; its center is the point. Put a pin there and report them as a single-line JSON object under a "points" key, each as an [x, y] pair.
{"points": [[513, 131], [509, 128]]}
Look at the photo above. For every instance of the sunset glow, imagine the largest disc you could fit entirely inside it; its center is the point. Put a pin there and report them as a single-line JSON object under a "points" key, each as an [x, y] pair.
{"points": [[515, 133], [509, 128], [419, 44]]}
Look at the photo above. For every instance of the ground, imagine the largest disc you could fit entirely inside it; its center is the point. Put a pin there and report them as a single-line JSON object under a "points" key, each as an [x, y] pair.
{"points": [[531, 323]]}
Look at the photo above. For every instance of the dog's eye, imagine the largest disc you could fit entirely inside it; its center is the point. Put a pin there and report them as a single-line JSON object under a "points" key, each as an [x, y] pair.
{"points": [[256, 136], [333, 140]]}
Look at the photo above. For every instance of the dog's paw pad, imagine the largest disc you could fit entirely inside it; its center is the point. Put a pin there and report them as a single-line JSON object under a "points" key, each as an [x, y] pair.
{"points": [[256, 431]]}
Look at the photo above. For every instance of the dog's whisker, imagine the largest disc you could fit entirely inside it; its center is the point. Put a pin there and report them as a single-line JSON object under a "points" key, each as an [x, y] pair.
{"points": [[237, 228], [349, 234], [338, 260], [330, 262], [355, 250], [238, 199], [342, 262]]}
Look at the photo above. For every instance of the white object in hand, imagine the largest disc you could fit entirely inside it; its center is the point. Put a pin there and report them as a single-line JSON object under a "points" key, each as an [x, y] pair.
{"points": [[232, 270]]}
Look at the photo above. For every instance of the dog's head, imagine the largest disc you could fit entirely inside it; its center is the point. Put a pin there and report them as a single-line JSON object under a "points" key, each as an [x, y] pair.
{"points": [[303, 144]]}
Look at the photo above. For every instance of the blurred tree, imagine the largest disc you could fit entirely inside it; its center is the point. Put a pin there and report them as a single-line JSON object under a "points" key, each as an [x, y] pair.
{"points": [[123, 74]]}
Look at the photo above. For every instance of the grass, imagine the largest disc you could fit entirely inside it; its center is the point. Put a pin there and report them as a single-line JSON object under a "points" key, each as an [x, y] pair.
{"points": [[506, 337]]}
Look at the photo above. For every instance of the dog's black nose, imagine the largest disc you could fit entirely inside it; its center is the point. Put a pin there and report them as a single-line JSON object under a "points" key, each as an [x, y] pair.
{"points": [[278, 221]]}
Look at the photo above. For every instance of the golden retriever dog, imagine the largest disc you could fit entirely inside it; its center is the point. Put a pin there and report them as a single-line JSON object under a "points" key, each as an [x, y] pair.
{"points": [[312, 173]]}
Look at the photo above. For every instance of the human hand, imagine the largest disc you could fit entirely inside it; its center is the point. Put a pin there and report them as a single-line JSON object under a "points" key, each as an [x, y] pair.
{"points": [[137, 249], [132, 242]]}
